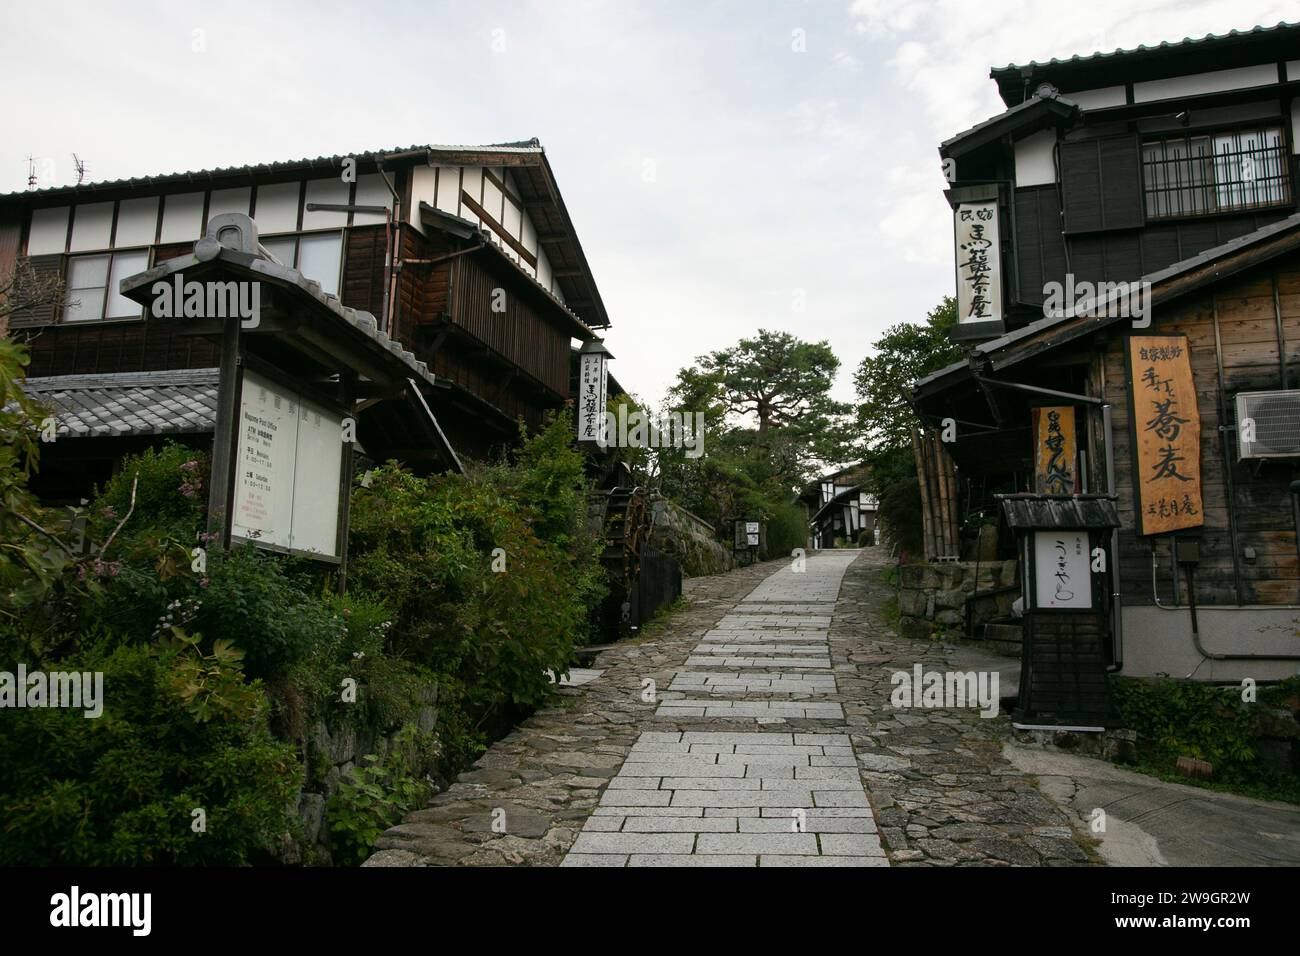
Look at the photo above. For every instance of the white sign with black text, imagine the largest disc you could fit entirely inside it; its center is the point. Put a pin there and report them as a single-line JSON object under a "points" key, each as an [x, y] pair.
{"points": [[288, 467], [1062, 572], [979, 262]]}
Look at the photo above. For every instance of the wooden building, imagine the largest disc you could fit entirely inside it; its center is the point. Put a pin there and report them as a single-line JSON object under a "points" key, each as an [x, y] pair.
{"points": [[840, 509], [466, 256], [1128, 270]]}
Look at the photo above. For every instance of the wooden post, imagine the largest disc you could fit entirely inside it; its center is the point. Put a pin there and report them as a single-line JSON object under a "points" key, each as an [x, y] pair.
{"points": [[923, 483], [225, 434]]}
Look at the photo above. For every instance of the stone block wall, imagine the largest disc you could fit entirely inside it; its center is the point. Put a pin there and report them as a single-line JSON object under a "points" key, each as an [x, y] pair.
{"points": [[931, 597], [331, 754], [690, 539]]}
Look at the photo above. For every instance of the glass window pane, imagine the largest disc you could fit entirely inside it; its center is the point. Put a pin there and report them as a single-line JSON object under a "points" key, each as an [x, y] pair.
{"points": [[87, 272], [84, 305], [124, 264], [318, 259]]}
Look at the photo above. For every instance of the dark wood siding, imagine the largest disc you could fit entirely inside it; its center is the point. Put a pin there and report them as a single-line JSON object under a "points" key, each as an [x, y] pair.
{"points": [[1040, 247], [1259, 499], [1101, 180]]}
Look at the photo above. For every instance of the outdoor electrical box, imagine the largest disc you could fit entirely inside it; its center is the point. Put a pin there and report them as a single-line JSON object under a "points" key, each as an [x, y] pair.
{"points": [[1064, 543]]}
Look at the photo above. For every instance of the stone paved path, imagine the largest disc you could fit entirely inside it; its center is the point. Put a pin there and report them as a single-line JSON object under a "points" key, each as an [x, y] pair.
{"points": [[753, 728], [752, 796]]}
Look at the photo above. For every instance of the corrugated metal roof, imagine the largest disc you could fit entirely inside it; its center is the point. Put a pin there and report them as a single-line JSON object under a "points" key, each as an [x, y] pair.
{"points": [[1059, 511], [529, 146], [174, 402], [1143, 48]]}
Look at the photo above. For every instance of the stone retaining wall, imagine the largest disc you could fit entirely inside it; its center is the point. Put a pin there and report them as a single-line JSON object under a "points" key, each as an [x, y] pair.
{"points": [[690, 539], [331, 756], [931, 597]]}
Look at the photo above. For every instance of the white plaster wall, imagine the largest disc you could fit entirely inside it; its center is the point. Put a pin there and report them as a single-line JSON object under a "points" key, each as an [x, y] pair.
{"points": [[137, 221], [333, 191], [1160, 641], [1035, 165], [182, 217], [1197, 83], [49, 231], [1099, 98], [277, 206], [92, 226]]}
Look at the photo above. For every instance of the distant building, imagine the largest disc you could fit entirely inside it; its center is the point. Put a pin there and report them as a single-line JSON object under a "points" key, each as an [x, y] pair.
{"points": [[840, 509]]}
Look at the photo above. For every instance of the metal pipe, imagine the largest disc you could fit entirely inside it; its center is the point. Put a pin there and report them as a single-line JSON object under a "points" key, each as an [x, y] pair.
{"points": [[1196, 633], [1227, 462], [1116, 596], [1038, 390]]}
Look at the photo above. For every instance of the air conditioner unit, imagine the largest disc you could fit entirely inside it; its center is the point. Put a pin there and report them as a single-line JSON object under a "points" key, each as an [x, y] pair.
{"points": [[1272, 421]]}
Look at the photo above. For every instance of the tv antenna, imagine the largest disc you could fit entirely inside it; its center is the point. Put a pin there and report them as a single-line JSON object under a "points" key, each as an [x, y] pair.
{"points": [[80, 165], [31, 172]]}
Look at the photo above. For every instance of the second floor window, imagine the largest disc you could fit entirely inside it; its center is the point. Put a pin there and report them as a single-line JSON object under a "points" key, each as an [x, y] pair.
{"points": [[92, 284], [1205, 174]]}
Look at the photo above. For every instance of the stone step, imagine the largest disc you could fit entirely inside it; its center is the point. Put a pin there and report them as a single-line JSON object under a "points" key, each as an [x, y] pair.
{"points": [[1005, 638]]}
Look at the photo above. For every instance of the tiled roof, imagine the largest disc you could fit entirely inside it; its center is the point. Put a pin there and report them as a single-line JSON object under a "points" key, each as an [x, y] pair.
{"points": [[1185, 43], [173, 402]]}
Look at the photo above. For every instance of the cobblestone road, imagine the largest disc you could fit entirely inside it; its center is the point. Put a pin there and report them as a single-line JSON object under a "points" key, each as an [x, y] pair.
{"points": [[752, 728]]}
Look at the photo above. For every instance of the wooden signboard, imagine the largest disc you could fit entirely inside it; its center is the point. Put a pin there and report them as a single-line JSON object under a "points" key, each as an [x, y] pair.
{"points": [[1055, 454], [1166, 430]]}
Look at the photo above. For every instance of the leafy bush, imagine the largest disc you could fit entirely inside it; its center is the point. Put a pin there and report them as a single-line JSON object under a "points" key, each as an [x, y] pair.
{"points": [[1188, 719], [375, 797], [488, 636], [787, 529], [180, 731]]}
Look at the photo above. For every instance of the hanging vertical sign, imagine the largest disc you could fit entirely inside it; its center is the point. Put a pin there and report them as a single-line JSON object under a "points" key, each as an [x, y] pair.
{"points": [[1055, 452], [979, 262], [1166, 429], [593, 385]]}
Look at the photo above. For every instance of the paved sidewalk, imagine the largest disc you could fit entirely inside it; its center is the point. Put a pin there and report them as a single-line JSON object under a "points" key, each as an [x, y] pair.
{"points": [[753, 728]]}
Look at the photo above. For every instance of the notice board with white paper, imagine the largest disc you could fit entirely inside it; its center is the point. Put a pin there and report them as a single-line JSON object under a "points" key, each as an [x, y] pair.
{"points": [[288, 464]]}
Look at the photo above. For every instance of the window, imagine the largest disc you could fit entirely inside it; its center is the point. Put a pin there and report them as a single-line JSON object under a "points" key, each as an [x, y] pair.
{"points": [[318, 256], [1200, 175], [92, 284]]}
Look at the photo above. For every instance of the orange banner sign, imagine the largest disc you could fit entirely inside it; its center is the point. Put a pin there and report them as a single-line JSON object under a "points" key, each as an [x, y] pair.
{"points": [[1055, 471], [1167, 434]]}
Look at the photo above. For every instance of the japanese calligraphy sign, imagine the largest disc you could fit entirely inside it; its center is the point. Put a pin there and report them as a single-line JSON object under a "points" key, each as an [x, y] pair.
{"points": [[1166, 427], [1062, 576], [1055, 471], [979, 262], [593, 382]]}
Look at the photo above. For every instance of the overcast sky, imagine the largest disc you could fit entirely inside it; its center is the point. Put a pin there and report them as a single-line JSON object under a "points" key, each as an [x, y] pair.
{"points": [[723, 162]]}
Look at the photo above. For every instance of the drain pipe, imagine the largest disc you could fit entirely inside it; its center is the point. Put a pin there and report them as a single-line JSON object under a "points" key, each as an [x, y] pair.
{"points": [[1189, 569], [1116, 594]]}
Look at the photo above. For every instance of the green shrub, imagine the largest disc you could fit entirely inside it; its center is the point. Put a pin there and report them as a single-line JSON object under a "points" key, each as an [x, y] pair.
{"points": [[180, 731], [1188, 719], [787, 529], [429, 544], [374, 797]]}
